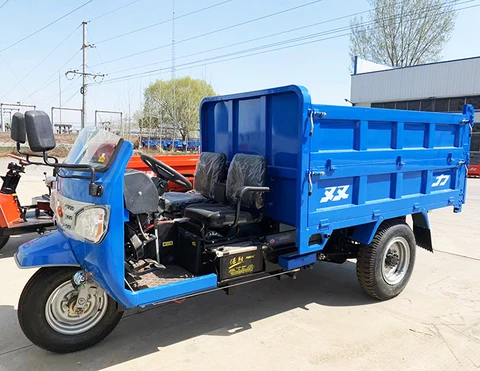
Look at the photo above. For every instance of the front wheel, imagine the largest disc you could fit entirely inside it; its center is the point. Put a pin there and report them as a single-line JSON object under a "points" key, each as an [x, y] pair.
{"points": [[47, 315], [385, 265]]}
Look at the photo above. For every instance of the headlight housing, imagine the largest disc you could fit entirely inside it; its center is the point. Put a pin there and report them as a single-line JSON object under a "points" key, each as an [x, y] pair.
{"points": [[91, 223]]}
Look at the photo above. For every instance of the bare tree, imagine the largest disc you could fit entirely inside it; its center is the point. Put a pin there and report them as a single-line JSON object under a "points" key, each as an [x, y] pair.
{"points": [[403, 33]]}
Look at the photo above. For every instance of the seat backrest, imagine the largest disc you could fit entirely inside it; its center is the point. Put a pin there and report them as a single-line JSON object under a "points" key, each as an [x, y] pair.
{"points": [[247, 170], [211, 168]]}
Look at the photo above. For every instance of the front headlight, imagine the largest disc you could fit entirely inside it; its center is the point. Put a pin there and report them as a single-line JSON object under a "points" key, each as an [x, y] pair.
{"points": [[91, 223]]}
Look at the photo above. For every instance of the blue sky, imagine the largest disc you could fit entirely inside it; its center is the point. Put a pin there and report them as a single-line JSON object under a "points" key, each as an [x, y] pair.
{"points": [[321, 66]]}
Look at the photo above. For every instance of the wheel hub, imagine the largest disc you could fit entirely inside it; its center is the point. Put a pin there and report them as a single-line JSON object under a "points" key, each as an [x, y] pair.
{"points": [[396, 261], [63, 316], [392, 260]]}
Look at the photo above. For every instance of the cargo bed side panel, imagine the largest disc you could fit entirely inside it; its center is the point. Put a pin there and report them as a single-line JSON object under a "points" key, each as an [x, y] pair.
{"points": [[373, 164]]}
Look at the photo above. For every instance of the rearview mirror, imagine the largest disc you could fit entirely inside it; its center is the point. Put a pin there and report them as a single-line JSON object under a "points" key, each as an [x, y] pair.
{"points": [[18, 133], [39, 131]]}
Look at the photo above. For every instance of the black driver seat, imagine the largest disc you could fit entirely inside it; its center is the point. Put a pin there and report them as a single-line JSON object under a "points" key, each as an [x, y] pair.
{"points": [[246, 181], [211, 168]]}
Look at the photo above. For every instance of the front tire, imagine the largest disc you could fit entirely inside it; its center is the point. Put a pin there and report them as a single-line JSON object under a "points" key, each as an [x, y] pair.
{"points": [[385, 266], [47, 318]]}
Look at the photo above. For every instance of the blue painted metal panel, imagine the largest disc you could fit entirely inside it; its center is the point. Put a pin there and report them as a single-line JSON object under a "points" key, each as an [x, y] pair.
{"points": [[176, 290], [365, 164], [52, 249], [289, 262], [267, 123]]}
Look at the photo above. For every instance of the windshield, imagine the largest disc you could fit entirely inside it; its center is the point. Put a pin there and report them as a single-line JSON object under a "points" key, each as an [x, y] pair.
{"points": [[95, 147]]}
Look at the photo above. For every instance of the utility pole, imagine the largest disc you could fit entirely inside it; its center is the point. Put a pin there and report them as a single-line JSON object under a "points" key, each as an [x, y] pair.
{"points": [[173, 75], [84, 84], [59, 96], [129, 120], [84, 73], [173, 42]]}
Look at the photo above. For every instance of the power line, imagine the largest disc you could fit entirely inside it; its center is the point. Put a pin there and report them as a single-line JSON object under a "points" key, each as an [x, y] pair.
{"points": [[96, 51], [270, 45], [163, 22], [244, 42], [200, 63], [5, 97], [44, 27], [69, 99], [203, 61], [306, 37], [195, 37], [43, 60], [54, 97], [14, 75], [54, 75], [218, 30], [64, 103], [6, 1], [114, 10]]}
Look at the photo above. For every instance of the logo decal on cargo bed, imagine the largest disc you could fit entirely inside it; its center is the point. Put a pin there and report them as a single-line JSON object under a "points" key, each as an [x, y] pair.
{"points": [[335, 193], [441, 180]]}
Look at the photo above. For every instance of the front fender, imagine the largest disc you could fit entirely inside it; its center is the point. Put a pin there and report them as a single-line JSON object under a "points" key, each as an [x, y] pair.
{"points": [[52, 249]]}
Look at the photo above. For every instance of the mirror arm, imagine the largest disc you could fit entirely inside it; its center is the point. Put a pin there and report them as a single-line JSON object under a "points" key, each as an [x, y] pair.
{"points": [[28, 155], [95, 190]]}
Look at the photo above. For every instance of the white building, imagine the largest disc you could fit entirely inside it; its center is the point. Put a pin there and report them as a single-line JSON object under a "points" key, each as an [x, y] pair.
{"points": [[437, 87]]}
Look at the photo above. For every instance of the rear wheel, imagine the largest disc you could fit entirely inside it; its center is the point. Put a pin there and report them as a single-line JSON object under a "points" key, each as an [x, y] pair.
{"points": [[3, 241], [384, 266], [47, 315]]}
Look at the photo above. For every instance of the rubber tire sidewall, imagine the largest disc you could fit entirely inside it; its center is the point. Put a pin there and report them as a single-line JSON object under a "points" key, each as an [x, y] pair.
{"points": [[31, 314], [375, 284]]}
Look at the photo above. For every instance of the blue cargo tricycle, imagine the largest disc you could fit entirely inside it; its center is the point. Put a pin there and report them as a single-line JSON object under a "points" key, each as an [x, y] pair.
{"points": [[281, 183]]}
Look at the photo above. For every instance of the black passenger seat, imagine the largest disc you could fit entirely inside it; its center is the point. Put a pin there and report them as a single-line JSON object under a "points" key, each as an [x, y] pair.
{"points": [[211, 168], [246, 182]]}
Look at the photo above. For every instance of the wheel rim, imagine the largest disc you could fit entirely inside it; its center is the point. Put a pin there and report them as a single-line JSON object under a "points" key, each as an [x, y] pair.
{"points": [[396, 260], [61, 316]]}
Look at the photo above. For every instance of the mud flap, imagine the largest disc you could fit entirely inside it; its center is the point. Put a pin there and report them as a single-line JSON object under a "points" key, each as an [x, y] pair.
{"points": [[421, 229]]}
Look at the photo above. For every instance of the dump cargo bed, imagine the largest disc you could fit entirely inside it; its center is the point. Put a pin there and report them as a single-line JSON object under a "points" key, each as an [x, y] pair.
{"points": [[332, 167]]}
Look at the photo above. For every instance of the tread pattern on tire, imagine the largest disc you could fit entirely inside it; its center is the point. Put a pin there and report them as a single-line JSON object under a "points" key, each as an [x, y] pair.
{"points": [[367, 255]]}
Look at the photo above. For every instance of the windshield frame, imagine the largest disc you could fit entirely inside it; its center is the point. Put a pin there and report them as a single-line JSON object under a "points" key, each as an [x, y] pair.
{"points": [[95, 167]]}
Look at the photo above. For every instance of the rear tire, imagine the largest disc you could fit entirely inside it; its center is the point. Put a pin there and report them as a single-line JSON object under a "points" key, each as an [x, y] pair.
{"points": [[385, 266], [46, 318], [3, 241]]}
